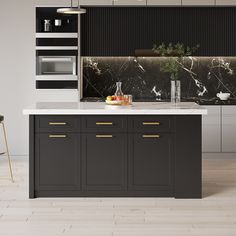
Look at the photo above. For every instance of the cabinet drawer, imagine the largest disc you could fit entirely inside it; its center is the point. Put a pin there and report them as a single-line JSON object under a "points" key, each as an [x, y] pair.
{"points": [[150, 123], [104, 123], [57, 123]]}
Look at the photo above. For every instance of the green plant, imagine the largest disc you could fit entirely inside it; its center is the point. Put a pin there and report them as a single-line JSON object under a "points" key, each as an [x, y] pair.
{"points": [[174, 57]]}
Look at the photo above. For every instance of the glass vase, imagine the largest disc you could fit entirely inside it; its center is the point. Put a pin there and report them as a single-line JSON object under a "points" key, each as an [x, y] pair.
{"points": [[175, 92]]}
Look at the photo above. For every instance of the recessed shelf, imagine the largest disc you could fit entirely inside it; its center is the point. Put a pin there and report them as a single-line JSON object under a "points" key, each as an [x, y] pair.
{"points": [[56, 77], [56, 35], [56, 48]]}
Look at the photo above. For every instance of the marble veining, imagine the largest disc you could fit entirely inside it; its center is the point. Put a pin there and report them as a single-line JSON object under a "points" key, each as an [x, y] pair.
{"points": [[201, 77]]}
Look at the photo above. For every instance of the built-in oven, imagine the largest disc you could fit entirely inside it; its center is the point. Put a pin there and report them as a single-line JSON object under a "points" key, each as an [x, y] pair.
{"points": [[56, 67]]}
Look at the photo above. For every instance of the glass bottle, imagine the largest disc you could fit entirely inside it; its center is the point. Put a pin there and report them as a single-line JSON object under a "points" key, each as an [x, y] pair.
{"points": [[47, 26], [119, 94]]}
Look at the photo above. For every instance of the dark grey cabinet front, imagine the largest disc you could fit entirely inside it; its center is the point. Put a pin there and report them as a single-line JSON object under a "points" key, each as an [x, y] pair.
{"points": [[57, 161], [150, 161], [104, 161]]}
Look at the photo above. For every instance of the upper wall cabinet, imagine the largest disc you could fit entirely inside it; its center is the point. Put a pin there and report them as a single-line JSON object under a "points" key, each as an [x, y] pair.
{"points": [[96, 2], [164, 2], [198, 2], [226, 2], [129, 2]]}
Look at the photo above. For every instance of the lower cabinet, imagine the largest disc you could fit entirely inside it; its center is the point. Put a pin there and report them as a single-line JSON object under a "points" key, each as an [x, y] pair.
{"points": [[123, 156], [211, 130], [104, 161], [229, 129], [57, 161], [150, 161]]}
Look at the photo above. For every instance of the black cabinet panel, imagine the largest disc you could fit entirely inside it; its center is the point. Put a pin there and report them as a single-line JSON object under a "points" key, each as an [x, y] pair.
{"points": [[150, 161], [104, 161], [57, 161], [59, 123], [57, 84], [119, 31], [188, 157], [150, 123], [104, 123]]}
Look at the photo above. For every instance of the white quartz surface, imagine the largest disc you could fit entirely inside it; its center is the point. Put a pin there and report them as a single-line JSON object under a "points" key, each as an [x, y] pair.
{"points": [[100, 108]]}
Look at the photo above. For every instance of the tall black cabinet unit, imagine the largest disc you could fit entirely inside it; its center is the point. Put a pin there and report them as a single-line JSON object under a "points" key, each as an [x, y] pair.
{"points": [[102, 155], [56, 49]]}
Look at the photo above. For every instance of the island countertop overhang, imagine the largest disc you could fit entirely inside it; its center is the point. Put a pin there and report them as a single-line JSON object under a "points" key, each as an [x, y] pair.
{"points": [[100, 108]]}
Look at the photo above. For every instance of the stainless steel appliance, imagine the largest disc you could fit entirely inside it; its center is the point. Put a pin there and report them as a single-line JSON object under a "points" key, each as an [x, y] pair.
{"points": [[56, 68]]}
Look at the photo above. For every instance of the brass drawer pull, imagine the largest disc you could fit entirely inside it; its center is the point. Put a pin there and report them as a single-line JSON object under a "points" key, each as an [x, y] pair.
{"points": [[104, 136], [57, 136], [57, 123], [104, 123], [151, 136], [151, 123]]}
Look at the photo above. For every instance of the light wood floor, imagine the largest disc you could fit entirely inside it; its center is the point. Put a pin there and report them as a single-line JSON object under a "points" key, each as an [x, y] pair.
{"points": [[213, 215]]}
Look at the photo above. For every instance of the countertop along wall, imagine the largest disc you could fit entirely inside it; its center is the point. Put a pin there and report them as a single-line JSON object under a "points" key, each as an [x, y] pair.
{"points": [[17, 70]]}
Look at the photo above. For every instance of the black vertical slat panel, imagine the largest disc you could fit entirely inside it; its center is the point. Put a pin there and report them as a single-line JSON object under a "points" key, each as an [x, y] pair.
{"points": [[118, 31]]}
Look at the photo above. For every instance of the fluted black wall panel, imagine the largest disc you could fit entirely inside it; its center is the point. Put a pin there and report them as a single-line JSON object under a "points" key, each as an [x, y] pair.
{"points": [[118, 31]]}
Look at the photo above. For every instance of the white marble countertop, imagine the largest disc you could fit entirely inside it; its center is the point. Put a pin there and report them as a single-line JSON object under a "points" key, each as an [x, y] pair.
{"points": [[100, 108]]}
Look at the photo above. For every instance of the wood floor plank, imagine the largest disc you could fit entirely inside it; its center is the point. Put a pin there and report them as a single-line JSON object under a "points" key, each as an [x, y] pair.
{"points": [[214, 215]]}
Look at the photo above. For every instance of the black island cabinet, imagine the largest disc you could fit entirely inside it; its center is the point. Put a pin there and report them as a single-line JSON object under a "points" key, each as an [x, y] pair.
{"points": [[115, 156]]}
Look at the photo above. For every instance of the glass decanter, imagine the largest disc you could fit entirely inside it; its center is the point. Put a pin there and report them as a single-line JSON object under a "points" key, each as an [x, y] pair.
{"points": [[119, 94]]}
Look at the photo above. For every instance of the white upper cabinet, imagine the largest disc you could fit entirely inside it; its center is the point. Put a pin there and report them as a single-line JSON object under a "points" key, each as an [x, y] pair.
{"points": [[129, 2], [211, 129], [198, 2], [164, 2], [228, 128], [96, 2], [226, 2]]}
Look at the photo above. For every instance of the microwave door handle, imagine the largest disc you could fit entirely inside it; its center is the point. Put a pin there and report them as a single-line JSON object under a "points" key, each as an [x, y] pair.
{"points": [[59, 59]]}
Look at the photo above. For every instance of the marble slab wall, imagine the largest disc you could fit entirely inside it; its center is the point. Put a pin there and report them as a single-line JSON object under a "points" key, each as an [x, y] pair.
{"points": [[201, 77]]}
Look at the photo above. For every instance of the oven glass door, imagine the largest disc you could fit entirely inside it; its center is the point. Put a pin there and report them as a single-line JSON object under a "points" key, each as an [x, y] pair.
{"points": [[56, 65]]}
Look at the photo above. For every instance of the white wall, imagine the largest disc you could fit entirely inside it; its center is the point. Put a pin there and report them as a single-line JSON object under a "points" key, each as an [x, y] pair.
{"points": [[17, 69]]}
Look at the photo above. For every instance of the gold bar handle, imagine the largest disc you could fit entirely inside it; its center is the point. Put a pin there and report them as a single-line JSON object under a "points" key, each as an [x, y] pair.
{"points": [[57, 136], [151, 136], [104, 123], [57, 123], [151, 123], [104, 136]]}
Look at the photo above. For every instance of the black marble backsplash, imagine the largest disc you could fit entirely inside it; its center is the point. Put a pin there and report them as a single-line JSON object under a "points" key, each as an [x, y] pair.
{"points": [[201, 79]]}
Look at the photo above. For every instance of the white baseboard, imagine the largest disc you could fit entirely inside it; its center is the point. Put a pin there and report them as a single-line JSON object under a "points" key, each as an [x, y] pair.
{"points": [[221, 155]]}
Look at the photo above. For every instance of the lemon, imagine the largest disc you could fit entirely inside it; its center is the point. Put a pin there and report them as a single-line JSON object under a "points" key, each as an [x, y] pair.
{"points": [[109, 98]]}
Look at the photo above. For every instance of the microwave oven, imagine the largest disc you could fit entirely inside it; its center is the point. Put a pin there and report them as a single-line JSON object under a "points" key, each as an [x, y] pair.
{"points": [[56, 68]]}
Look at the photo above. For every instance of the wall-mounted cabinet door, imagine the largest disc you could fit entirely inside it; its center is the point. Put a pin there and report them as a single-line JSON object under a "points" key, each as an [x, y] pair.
{"points": [[57, 161], [104, 161], [226, 2], [96, 2], [228, 128], [164, 2], [211, 129], [129, 2], [198, 2], [150, 161]]}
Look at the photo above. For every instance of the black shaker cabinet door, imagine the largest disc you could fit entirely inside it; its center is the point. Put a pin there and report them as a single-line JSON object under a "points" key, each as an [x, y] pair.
{"points": [[104, 161], [57, 161], [150, 161]]}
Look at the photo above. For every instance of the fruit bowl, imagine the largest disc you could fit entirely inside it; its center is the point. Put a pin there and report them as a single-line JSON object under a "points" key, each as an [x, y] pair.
{"points": [[114, 102], [119, 100]]}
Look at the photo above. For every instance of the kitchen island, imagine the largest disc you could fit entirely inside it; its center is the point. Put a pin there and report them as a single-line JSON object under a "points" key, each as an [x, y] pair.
{"points": [[95, 150]]}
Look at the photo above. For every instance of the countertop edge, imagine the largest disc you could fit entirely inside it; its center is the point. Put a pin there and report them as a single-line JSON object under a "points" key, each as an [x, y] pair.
{"points": [[115, 112]]}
